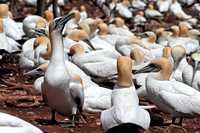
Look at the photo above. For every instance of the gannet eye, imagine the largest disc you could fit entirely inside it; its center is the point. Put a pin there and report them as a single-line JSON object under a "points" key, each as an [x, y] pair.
{"points": [[39, 70]]}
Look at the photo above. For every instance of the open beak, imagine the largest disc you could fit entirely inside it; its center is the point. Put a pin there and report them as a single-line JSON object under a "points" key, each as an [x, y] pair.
{"points": [[89, 43]]}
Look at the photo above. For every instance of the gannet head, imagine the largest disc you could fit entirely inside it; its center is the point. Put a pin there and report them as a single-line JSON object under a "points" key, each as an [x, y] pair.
{"points": [[85, 27], [161, 66], [167, 52], [1, 26], [126, 3], [3, 10], [38, 71], [41, 41], [179, 16], [92, 23], [48, 15], [178, 53], [183, 30], [141, 13], [159, 31], [77, 15], [76, 49], [77, 35], [99, 20], [175, 30], [124, 69], [194, 61], [119, 22], [82, 8], [138, 56], [135, 40], [194, 34], [150, 35], [59, 23], [103, 29], [150, 6]]}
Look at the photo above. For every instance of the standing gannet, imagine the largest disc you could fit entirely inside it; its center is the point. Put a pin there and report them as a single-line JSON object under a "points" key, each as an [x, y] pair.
{"points": [[138, 4], [83, 14], [101, 63], [139, 20], [60, 90], [191, 73], [113, 4], [119, 28], [10, 26], [163, 5], [179, 56], [125, 103], [123, 9], [150, 12], [13, 124], [173, 97]]}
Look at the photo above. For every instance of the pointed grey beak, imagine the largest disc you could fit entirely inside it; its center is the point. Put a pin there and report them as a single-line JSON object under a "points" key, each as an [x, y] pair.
{"points": [[168, 29], [63, 20], [176, 63], [142, 35], [194, 71], [37, 71], [89, 43], [39, 32], [146, 69]]}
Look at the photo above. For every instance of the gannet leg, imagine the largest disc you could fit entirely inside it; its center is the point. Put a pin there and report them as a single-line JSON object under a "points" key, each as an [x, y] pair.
{"points": [[180, 121], [69, 124], [173, 120], [53, 120]]}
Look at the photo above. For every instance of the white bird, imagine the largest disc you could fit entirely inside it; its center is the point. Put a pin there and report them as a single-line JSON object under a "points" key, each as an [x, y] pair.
{"points": [[139, 19], [150, 12], [138, 4], [163, 5], [83, 14], [191, 73], [10, 26], [63, 95], [125, 103], [167, 53], [73, 23], [99, 64], [175, 8], [113, 4], [123, 10], [172, 97], [162, 36], [13, 124]]}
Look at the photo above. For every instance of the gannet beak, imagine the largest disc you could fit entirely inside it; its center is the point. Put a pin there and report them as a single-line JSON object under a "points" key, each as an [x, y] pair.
{"points": [[63, 20], [89, 43], [39, 32], [168, 29], [176, 63], [194, 72], [142, 35], [146, 69], [38, 71]]}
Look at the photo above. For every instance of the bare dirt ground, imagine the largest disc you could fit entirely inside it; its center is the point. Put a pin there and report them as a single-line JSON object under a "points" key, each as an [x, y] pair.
{"points": [[18, 98]]}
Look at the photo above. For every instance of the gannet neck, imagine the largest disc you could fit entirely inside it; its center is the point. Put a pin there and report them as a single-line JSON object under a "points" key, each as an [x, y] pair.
{"points": [[46, 54], [10, 15], [183, 30], [194, 34], [167, 52], [77, 49], [3, 10], [85, 27], [1, 26], [124, 69], [135, 40], [194, 61], [103, 29], [165, 69], [119, 22], [78, 78], [48, 15], [138, 56], [175, 31], [152, 37]]}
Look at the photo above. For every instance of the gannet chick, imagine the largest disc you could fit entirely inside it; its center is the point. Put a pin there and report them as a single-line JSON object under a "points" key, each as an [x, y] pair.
{"points": [[125, 103], [12, 124], [63, 95], [191, 74], [172, 97]]}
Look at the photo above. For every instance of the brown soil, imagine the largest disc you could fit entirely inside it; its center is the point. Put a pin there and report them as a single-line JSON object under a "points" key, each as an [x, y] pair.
{"points": [[18, 98]]}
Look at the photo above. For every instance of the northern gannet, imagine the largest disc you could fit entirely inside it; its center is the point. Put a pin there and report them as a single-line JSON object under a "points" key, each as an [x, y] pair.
{"points": [[125, 102]]}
